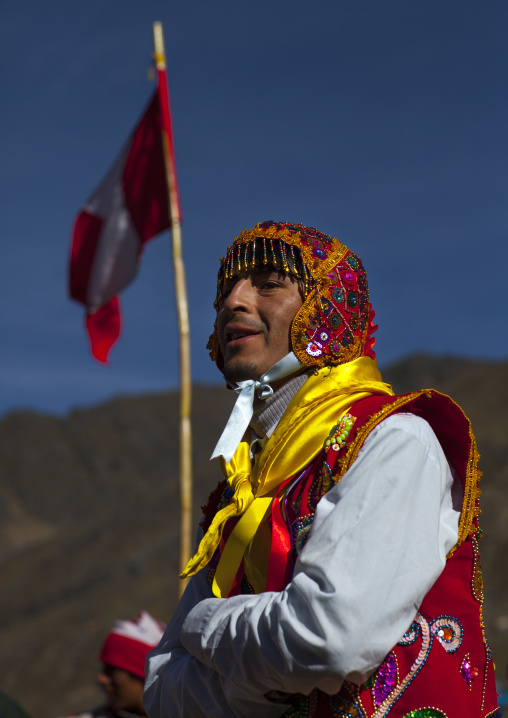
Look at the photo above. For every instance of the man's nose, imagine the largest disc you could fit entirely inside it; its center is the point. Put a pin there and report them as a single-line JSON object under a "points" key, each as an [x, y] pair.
{"points": [[102, 679], [241, 296]]}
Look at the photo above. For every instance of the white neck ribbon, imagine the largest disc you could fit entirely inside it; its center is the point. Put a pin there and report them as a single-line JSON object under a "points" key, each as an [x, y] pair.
{"points": [[244, 407]]}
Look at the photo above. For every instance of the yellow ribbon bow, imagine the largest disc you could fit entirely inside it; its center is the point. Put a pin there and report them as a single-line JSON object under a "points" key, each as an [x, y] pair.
{"points": [[239, 483]]}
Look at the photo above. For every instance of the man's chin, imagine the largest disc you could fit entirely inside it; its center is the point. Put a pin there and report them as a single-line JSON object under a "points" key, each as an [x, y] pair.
{"points": [[240, 371]]}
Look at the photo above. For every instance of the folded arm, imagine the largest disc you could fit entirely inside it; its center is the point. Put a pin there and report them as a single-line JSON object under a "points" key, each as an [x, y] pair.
{"points": [[178, 685], [378, 542]]}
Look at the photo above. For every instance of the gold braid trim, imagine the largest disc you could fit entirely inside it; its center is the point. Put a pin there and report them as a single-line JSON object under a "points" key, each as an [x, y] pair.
{"points": [[301, 324], [496, 713], [468, 523], [470, 509], [318, 268], [355, 446]]}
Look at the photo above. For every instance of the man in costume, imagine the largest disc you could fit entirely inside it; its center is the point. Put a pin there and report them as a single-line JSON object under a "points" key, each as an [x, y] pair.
{"points": [[338, 572], [122, 675]]}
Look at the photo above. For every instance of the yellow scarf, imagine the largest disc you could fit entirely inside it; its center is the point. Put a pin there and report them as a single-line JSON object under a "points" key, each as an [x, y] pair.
{"points": [[299, 436]]}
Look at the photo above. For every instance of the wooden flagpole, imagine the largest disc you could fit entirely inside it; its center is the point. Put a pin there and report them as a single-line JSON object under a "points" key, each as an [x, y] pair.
{"points": [[183, 324]]}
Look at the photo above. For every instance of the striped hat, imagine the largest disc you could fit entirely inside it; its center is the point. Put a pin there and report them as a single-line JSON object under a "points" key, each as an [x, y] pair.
{"points": [[128, 643]]}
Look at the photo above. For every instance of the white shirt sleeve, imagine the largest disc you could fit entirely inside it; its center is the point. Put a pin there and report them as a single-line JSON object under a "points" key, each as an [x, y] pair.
{"points": [[181, 686], [379, 541]]}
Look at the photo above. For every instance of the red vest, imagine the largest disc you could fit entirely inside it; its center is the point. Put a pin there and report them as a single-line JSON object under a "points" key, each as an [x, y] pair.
{"points": [[442, 667]]}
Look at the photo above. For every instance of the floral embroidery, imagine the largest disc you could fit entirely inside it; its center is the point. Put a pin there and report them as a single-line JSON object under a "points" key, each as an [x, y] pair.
{"points": [[300, 530], [410, 636], [469, 673], [340, 432], [426, 634], [448, 631], [342, 708], [386, 679]]}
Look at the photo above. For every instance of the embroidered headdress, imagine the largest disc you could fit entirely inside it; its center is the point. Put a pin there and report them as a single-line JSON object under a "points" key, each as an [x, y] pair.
{"points": [[335, 323]]}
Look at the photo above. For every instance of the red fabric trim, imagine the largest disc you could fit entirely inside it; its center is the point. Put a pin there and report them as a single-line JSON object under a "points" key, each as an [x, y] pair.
{"points": [[85, 238], [280, 550], [446, 418], [370, 340], [125, 653], [104, 328], [144, 176]]}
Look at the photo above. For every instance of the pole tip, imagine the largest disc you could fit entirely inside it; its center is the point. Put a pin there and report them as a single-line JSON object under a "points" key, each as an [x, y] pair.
{"points": [[158, 40]]}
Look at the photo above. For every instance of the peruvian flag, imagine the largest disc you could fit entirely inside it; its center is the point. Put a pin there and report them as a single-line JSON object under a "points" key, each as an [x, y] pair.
{"points": [[130, 207]]}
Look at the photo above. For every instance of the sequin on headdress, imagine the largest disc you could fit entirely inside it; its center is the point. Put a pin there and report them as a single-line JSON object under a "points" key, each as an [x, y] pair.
{"points": [[335, 323]]}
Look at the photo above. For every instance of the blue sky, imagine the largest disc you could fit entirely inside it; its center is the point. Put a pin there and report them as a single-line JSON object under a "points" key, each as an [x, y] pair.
{"points": [[381, 123]]}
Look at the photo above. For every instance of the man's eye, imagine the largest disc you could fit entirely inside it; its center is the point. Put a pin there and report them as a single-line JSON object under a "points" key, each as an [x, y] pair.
{"points": [[269, 284]]}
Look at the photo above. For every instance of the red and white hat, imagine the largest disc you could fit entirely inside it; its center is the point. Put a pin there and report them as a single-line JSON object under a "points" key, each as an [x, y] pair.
{"points": [[128, 643]]}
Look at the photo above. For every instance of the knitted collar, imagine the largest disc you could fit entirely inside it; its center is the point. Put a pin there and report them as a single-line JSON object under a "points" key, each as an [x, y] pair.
{"points": [[268, 413]]}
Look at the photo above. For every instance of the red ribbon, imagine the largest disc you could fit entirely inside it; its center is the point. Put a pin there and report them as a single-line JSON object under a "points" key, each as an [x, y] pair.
{"points": [[280, 552]]}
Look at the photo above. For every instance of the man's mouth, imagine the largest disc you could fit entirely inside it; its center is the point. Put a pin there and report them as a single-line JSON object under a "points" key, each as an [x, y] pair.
{"points": [[237, 334]]}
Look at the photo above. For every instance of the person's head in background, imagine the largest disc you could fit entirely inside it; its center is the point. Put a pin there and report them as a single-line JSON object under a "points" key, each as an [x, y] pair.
{"points": [[123, 654]]}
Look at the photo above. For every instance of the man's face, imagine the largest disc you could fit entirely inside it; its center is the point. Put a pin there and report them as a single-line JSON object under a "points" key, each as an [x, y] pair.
{"points": [[254, 322], [123, 690]]}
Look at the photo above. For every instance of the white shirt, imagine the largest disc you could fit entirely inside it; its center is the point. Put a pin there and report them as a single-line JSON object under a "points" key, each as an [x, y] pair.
{"points": [[378, 542]]}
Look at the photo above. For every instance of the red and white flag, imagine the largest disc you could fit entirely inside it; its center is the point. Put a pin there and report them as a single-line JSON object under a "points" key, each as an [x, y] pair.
{"points": [[129, 207]]}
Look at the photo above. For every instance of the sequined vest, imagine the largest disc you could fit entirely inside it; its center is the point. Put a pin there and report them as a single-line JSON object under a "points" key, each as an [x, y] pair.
{"points": [[442, 666]]}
